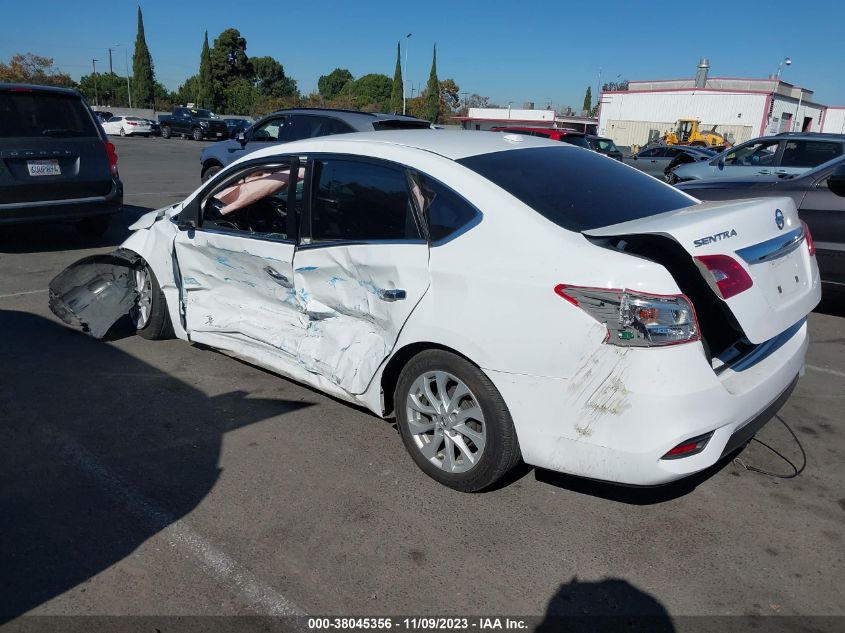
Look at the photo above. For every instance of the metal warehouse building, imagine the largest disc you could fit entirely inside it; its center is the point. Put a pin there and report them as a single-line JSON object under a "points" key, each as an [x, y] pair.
{"points": [[739, 109]]}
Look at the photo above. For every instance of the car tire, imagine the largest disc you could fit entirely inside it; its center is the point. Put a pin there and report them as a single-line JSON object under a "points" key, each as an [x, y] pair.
{"points": [[122, 132], [149, 315], [94, 227], [472, 411], [209, 172], [165, 131], [197, 134]]}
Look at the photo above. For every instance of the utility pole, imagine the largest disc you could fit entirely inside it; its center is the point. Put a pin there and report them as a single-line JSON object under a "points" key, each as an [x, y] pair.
{"points": [[94, 64], [405, 76], [111, 70]]}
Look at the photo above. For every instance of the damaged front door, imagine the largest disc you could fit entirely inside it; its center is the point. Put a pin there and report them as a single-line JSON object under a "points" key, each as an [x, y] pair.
{"points": [[237, 266], [361, 269]]}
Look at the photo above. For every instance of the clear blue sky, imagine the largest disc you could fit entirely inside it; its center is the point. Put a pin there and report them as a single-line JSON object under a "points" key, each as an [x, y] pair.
{"points": [[510, 51]]}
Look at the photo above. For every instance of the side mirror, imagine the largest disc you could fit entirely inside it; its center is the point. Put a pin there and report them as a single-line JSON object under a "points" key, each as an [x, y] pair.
{"points": [[186, 225], [836, 181], [241, 138], [721, 163]]}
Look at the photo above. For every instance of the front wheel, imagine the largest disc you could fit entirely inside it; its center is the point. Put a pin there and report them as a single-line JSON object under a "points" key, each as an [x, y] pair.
{"points": [[454, 422], [209, 172], [149, 314], [197, 134], [122, 132], [165, 131]]}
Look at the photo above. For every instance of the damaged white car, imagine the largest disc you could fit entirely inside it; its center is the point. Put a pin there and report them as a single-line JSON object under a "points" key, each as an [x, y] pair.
{"points": [[504, 297]]}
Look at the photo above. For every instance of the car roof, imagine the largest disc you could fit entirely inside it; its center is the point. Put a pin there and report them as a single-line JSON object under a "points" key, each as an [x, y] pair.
{"points": [[352, 117], [527, 128], [801, 135], [38, 88], [452, 144]]}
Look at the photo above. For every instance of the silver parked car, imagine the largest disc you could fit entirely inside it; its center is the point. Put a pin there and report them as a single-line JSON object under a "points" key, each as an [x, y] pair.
{"points": [[783, 154], [654, 160]]}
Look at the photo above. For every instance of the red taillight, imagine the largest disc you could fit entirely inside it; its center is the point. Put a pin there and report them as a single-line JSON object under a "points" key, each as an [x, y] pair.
{"points": [[111, 154], [811, 245], [729, 275], [689, 447], [132, 123]]}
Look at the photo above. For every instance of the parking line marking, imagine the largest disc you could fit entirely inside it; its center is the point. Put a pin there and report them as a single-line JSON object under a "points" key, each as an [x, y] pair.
{"points": [[25, 292], [825, 370], [226, 570]]}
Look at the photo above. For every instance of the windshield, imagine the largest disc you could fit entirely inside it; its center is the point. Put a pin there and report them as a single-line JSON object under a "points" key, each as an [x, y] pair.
{"points": [[575, 139], [577, 190], [38, 114], [604, 145], [203, 114]]}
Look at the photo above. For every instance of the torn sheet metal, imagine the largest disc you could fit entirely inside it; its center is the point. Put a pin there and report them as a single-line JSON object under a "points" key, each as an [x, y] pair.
{"points": [[96, 291]]}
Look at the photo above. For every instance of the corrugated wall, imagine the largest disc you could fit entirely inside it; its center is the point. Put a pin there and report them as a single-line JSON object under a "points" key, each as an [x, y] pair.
{"points": [[834, 121], [637, 132]]}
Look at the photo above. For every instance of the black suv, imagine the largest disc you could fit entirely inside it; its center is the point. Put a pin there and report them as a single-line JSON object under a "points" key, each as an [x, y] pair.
{"points": [[284, 126], [56, 163]]}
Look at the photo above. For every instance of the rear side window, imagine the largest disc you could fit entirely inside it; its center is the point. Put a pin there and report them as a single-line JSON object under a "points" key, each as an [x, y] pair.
{"points": [[574, 139], [809, 153], [360, 201], [576, 190], [445, 212], [40, 114], [400, 124], [312, 126]]}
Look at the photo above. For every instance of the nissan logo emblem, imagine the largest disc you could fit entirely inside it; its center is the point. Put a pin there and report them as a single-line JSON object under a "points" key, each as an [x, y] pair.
{"points": [[779, 218]]}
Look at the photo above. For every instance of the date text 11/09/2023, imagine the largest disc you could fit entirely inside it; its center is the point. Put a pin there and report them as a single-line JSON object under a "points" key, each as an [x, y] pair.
{"points": [[477, 623]]}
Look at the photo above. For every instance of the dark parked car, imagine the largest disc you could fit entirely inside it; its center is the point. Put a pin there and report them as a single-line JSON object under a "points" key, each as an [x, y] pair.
{"points": [[295, 124], [604, 146], [236, 126], [658, 159], [56, 163], [195, 123], [155, 127], [819, 195]]}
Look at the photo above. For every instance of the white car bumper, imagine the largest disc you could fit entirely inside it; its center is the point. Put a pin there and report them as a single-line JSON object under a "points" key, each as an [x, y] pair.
{"points": [[626, 408]]}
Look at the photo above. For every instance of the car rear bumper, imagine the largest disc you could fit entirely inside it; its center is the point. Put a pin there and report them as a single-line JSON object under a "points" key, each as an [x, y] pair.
{"points": [[618, 417], [62, 210]]}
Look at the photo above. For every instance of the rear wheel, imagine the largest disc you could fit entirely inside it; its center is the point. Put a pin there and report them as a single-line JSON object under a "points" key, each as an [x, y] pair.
{"points": [[165, 131], [94, 227], [149, 314], [209, 172], [454, 422], [197, 134], [122, 132]]}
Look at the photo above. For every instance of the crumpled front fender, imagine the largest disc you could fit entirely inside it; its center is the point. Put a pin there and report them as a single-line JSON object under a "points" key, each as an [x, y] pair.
{"points": [[96, 291]]}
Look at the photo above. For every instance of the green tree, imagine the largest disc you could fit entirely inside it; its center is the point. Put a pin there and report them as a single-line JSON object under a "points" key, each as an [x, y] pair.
{"points": [[143, 75], [332, 85], [432, 100], [188, 92], [270, 79], [205, 87], [398, 92], [109, 88], [33, 69], [229, 62], [240, 97], [372, 92], [450, 100], [588, 100]]}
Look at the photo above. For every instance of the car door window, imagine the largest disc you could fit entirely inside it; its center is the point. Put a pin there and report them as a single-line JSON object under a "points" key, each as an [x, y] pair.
{"points": [[313, 126], [254, 202], [654, 152], [809, 153], [269, 131], [761, 153], [360, 201], [445, 213]]}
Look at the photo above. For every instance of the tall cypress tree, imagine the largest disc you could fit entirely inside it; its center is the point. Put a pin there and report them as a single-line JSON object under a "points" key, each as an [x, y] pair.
{"points": [[588, 100], [397, 93], [205, 97], [142, 69], [432, 98]]}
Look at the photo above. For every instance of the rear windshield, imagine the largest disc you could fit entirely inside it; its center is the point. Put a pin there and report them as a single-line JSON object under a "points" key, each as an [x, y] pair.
{"points": [[575, 189], [39, 114], [604, 145], [399, 124], [575, 139]]}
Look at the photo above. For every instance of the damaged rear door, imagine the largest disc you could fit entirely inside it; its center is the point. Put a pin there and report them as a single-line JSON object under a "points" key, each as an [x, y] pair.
{"points": [[235, 257], [361, 267]]}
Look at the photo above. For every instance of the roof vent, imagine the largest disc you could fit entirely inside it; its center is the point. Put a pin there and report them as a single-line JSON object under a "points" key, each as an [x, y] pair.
{"points": [[701, 73], [514, 138]]}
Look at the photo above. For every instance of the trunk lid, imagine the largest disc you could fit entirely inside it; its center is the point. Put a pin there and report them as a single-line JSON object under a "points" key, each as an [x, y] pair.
{"points": [[764, 236]]}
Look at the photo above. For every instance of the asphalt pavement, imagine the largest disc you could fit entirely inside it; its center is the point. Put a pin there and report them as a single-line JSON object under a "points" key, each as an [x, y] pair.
{"points": [[154, 477]]}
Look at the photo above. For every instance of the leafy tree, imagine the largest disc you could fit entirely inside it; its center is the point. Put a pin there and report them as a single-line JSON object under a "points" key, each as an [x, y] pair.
{"points": [[450, 99], [143, 75], [432, 99], [240, 97], [109, 88], [188, 92], [588, 100], [205, 81], [619, 86], [398, 92], [333, 84], [269, 77], [477, 101], [229, 63], [33, 69], [372, 92]]}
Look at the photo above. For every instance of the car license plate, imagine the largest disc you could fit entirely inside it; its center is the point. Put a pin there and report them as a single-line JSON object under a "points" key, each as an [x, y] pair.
{"points": [[220, 134], [48, 167]]}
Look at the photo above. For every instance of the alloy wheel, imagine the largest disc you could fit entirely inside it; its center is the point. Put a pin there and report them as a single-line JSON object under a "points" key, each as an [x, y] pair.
{"points": [[140, 312]]}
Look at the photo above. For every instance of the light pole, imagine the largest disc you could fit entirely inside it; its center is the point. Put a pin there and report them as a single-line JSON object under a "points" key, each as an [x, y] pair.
{"points": [[94, 64], [786, 61], [404, 100]]}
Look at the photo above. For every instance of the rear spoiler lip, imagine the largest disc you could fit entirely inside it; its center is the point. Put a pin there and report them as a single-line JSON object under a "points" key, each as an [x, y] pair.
{"points": [[778, 246]]}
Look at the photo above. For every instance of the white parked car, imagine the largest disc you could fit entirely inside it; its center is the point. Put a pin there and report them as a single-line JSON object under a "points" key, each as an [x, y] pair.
{"points": [[127, 126], [503, 296]]}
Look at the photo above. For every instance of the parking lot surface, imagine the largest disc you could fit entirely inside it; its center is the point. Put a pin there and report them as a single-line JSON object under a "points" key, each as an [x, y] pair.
{"points": [[144, 477]]}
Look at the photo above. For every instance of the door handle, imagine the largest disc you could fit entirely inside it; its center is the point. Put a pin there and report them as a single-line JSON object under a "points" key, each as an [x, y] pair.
{"points": [[765, 171], [278, 277], [393, 294], [781, 172]]}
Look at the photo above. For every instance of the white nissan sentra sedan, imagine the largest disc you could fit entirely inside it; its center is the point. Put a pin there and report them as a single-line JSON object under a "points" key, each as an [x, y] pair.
{"points": [[504, 297]]}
